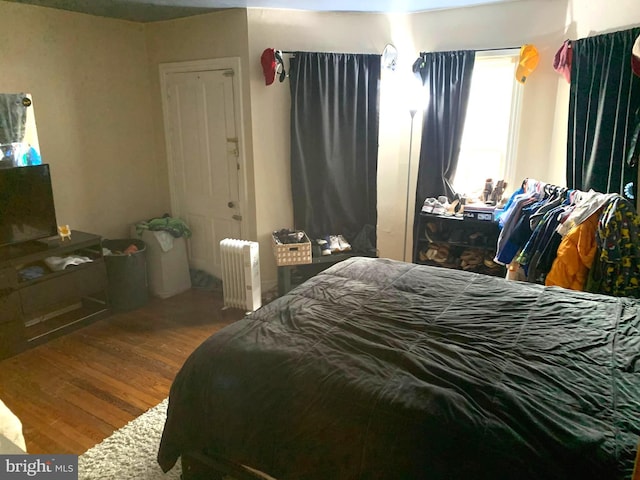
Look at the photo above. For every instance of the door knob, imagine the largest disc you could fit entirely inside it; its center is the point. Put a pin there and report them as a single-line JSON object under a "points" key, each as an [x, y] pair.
{"points": [[237, 217], [231, 204]]}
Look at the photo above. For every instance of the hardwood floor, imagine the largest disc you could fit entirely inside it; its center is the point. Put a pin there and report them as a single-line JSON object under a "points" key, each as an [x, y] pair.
{"points": [[76, 390]]}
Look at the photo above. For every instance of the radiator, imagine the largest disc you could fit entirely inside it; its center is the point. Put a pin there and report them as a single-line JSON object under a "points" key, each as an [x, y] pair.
{"points": [[241, 274]]}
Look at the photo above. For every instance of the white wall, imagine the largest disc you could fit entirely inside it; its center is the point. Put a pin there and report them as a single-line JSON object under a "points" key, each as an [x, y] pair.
{"points": [[90, 88], [586, 18]]}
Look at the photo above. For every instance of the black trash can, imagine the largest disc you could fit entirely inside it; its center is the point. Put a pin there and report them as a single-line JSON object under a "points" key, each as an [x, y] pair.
{"points": [[127, 274]]}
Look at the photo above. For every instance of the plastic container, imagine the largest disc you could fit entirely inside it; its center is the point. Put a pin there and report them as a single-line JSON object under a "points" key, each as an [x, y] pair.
{"points": [[127, 274], [168, 271]]}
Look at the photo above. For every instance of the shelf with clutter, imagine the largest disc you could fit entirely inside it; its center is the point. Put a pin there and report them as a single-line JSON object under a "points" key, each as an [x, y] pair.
{"points": [[461, 233], [298, 258], [48, 287], [452, 241]]}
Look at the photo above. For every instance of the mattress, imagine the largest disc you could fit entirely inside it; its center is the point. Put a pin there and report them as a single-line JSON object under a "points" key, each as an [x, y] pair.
{"points": [[382, 369]]}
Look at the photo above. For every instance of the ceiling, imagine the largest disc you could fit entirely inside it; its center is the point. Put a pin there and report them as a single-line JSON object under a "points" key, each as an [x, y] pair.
{"points": [[156, 10]]}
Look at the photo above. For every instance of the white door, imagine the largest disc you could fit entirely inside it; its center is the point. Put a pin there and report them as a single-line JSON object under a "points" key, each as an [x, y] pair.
{"points": [[201, 126]]}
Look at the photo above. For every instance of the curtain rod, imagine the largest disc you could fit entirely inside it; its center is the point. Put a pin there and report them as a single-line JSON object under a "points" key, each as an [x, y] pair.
{"points": [[483, 49], [291, 52], [494, 49]]}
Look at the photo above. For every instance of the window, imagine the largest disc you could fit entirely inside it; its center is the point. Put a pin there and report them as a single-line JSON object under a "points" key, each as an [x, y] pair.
{"points": [[489, 136]]}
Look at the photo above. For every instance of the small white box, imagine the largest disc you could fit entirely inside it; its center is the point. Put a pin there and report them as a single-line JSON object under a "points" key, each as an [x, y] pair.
{"points": [[167, 272]]}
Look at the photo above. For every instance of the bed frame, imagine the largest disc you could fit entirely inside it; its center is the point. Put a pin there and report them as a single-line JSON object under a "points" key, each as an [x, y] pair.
{"points": [[206, 466]]}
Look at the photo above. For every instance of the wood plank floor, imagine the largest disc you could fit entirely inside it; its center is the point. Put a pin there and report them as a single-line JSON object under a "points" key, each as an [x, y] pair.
{"points": [[76, 390]]}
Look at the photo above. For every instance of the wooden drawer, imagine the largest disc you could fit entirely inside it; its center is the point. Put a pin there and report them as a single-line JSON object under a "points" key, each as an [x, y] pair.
{"points": [[11, 338], [10, 307], [71, 286], [8, 279]]}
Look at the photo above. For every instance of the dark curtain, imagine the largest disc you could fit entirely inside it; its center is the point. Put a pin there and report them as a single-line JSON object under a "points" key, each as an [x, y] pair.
{"points": [[334, 144], [13, 118], [447, 78], [604, 99]]}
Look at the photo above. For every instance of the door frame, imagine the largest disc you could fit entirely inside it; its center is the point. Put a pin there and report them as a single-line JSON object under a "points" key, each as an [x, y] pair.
{"points": [[227, 63]]}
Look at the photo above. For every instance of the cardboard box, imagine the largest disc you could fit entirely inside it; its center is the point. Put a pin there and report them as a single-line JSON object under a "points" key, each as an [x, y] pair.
{"points": [[479, 213]]}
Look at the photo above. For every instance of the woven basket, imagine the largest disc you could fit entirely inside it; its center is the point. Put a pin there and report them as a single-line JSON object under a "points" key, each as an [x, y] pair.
{"points": [[291, 253]]}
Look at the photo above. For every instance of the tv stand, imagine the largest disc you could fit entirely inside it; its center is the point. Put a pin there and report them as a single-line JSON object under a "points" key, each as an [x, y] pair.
{"points": [[35, 307], [52, 241]]}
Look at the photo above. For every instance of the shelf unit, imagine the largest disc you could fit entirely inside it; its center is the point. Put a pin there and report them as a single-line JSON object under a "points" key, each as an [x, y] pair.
{"points": [[34, 310], [457, 238]]}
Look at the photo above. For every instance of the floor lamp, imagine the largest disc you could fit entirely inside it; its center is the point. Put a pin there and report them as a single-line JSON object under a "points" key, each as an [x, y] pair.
{"points": [[412, 112]]}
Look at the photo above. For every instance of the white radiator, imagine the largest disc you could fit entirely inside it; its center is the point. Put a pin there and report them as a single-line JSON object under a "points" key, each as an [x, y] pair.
{"points": [[241, 274]]}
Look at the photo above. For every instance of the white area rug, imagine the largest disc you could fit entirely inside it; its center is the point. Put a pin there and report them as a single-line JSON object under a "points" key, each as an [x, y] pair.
{"points": [[130, 453]]}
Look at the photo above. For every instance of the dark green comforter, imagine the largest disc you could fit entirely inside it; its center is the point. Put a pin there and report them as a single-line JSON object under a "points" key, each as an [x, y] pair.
{"points": [[382, 369]]}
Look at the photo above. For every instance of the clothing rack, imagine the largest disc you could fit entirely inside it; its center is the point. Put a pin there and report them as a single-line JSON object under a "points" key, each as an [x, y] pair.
{"points": [[548, 187], [550, 190], [555, 235]]}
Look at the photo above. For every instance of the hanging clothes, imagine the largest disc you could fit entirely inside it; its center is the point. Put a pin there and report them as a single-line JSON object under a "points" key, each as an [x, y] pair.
{"points": [[586, 203], [539, 253], [570, 238], [514, 221], [633, 154], [616, 268], [522, 217], [574, 256]]}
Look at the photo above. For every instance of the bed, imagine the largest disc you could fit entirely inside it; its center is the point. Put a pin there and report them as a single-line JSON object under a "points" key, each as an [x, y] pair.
{"points": [[378, 369]]}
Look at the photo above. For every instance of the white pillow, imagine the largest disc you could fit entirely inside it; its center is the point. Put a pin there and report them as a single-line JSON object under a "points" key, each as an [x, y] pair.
{"points": [[11, 427]]}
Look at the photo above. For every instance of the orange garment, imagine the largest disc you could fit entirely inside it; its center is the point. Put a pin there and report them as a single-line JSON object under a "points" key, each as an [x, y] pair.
{"points": [[575, 255]]}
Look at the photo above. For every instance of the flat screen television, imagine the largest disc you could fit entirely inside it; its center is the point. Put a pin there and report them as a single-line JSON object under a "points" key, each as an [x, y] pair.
{"points": [[27, 211]]}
